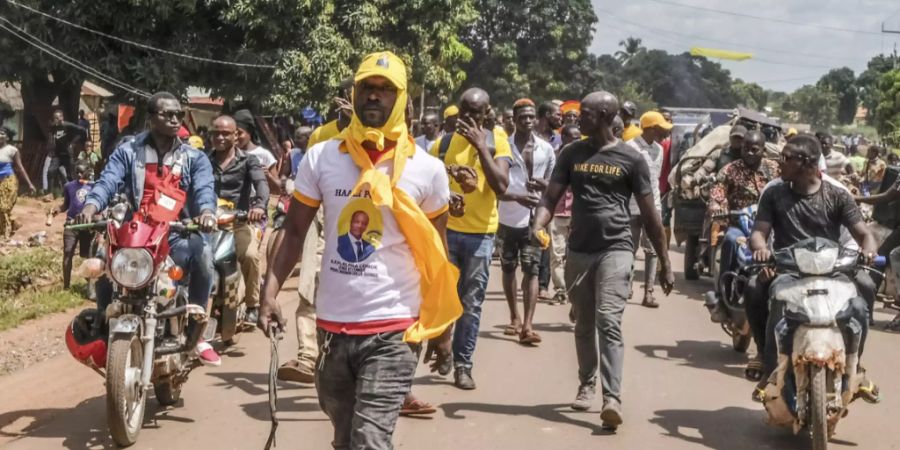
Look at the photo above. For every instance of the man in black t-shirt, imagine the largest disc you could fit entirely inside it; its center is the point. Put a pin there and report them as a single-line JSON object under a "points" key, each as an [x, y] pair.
{"points": [[61, 138], [802, 207], [603, 173]]}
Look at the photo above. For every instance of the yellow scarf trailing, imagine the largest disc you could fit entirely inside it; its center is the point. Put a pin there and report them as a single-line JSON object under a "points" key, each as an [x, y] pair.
{"points": [[440, 301]]}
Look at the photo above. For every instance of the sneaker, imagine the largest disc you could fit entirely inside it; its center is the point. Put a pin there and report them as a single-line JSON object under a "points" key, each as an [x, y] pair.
{"points": [[611, 415], [207, 355], [585, 397], [252, 315], [463, 379]]}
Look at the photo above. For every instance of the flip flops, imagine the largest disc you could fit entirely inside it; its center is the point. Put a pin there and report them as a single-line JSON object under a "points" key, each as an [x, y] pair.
{"points": [[529, 338], [754, 370], [512, 330]]}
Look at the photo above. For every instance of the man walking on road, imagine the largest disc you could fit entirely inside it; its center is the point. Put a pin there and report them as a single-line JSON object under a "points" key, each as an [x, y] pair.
{"points": [[532, 163], [559, 226], [603, 173], [373, 312], [654, 130], [473, 150]]}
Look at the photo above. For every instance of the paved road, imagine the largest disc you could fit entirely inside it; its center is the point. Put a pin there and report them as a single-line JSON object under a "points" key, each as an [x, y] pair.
{"points": [[683, 389]]}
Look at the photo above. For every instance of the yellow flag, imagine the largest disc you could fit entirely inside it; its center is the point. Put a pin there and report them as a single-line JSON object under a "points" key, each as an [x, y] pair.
{"points": [[720, 54]]}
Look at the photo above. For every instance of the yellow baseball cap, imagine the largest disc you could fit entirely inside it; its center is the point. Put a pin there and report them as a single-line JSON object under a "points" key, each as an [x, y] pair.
{"points": [[385, 64], [654, 119], [451, 110]]}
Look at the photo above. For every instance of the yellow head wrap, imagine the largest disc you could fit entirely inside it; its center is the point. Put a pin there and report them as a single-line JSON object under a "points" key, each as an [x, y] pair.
{"points": [[438, 277], [451, 110]]}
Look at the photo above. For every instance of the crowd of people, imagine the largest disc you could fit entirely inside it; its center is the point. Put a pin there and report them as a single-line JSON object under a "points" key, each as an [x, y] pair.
{"points": [[395, 224]]}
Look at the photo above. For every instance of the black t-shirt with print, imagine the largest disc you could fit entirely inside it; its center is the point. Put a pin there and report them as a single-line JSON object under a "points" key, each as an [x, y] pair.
{"points": [[602, 184], [796, 217]]}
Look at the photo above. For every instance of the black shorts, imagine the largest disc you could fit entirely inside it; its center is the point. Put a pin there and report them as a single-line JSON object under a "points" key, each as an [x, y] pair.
{"points": [[516, 246], [73, 238]]}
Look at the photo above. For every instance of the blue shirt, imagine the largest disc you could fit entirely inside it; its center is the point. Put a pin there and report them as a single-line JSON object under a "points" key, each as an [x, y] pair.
{"points": [[296, 157], [74, 195]]}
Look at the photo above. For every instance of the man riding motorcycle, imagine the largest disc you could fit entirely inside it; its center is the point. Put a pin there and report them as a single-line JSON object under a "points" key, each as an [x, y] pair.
{"points": [[802, 207], [235, 174], [738, 186], [140, 168], [720, 157]]}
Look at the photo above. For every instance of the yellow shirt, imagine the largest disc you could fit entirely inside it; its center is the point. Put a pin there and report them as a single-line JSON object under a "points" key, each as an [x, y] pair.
{"points": [[323, 133], [631, 131], [481, 204]]}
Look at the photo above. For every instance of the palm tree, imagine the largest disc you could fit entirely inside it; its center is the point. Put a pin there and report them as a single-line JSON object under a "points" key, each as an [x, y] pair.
{"points": [[631, 46]]}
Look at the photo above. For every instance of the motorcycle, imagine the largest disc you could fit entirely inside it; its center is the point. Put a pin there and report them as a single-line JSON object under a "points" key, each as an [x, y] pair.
{"points": [[228, 308], [726, 301], [818, 338], [152, 328]]}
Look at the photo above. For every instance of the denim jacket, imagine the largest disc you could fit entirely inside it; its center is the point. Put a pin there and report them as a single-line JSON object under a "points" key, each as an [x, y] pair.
{"points": [[125, 172]]}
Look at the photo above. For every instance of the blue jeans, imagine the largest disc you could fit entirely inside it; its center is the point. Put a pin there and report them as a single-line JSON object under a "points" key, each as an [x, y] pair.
{"points": [[471, 254], [191, 253], [730, 248]]}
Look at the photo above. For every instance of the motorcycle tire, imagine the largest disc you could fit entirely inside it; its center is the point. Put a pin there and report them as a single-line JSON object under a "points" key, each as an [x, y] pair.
{"points": [[818, 413], [691, 257], [166, 393], [125, 399], [231, 323], [740, 342]]}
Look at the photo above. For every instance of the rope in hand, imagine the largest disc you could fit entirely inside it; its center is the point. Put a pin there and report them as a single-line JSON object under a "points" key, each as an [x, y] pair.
{"points": [[274, 337]]}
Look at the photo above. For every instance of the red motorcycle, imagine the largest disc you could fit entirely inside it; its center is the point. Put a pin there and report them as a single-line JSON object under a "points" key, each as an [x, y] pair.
{"points": [[152, 328]]}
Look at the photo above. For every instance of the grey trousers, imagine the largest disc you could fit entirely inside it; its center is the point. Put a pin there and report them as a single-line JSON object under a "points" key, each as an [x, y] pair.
{"points": [[639, 237], [600, 285], [361, 382]]}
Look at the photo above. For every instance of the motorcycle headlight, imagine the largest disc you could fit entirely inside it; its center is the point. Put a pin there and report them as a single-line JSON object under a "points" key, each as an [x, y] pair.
{"points": [[132, 267], [816, 262]]}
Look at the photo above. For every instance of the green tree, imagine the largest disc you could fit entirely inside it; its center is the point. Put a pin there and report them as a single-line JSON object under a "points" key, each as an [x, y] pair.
{"points": [[750, 95], [630, 47], [518, 50], [867, 83], [681, 80], [842, 82], [887, 113], [816, 106]]}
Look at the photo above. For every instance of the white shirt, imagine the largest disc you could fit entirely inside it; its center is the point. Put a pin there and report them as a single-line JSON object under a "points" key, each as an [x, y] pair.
{"points": [[8, 153], [265, 157], [511, 213], [384, 284], [653, 154], [835, 163], [425, 143]]}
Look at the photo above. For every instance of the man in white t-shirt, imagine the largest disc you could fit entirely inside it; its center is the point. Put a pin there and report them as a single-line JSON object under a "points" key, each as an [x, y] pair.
{"points": [[431, 130], [532, 163], [836, 163], [394, 285]]}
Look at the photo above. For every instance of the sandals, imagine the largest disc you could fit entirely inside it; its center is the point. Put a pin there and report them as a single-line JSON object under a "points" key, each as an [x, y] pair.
{"points": [[868, 392], [417, 407], [512, 330], [529, 338], [754, 370]]}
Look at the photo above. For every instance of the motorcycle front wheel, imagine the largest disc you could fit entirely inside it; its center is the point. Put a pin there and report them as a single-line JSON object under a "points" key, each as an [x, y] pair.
{"points": [[818, 395], [125, 399]]}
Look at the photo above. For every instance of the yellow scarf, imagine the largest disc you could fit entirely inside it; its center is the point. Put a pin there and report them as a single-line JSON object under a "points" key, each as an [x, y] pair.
{"points": [[440, 301]]}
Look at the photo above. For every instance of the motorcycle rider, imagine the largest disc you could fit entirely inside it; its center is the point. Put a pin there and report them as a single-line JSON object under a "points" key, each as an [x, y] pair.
{"points": [[738, 186], [720, 157], [800, 208], [240, 179], [138, 169]]}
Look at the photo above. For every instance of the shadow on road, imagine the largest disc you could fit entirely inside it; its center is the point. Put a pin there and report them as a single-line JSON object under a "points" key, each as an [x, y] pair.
{"points": [[550, 413], [298, 404], [707, 355], [729, 428], [81, 427], [252, 383]]}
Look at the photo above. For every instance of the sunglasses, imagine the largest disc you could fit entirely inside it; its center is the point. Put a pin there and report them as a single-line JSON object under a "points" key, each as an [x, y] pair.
{"points": [[788, 158], [169, 115]]}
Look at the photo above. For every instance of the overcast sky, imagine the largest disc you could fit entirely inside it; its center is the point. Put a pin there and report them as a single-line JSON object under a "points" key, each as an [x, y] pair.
{"points": [[786, 56]]}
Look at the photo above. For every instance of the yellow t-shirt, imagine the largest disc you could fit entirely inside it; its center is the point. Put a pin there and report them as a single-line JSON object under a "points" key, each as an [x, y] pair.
{"points": [[631, 131], [323, 133], [481, 204]]}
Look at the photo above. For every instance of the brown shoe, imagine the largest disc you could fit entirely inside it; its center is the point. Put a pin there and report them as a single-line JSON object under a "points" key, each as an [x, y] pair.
{"points": [[294, 371]]}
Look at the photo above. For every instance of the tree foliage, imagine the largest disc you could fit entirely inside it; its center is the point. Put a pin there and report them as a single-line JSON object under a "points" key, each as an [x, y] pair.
{"points": [[750, 95], [887, 113], [530, 48], [815, 105], [867, 83], [842, 82]]}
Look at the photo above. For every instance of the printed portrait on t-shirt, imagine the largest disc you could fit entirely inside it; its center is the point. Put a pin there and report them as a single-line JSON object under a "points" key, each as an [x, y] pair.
{"points": [[359, 231]]}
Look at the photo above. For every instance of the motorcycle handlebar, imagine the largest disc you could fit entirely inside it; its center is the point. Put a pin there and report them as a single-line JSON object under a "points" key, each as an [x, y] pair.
{"points": [[99, 225]]}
